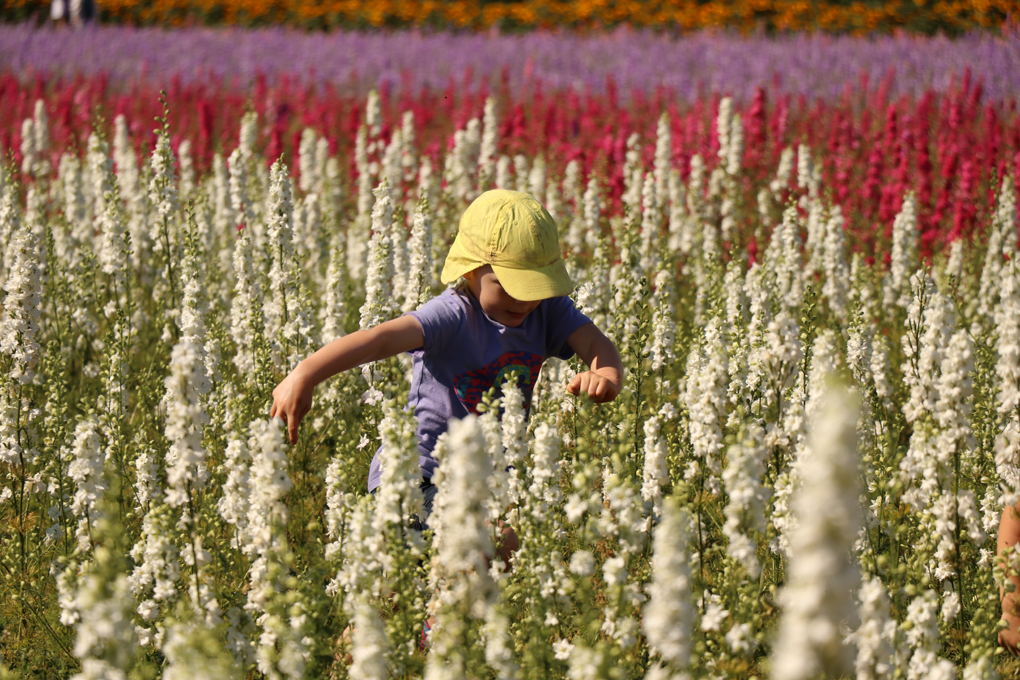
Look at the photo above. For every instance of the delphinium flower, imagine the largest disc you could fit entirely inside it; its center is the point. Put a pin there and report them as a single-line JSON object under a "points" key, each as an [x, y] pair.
{"points": [[233, 505], [247, 299], [27, 148], [96, 173], [925, 345], [735, 152], [10, 220], [391, 166], [163, 231], [521, 172], [592, 210], [376, 308], [540, 576], [651, 219], [285, 645], [239, 210], [334, 310], [879, 366], [105, 641], [779, 184], [187, 387], [834, 265], [784, 251], [668, 618], [503, 173], [306, 161], [464, 590], [804, 403], [1002, 246], [953, 441], [903, 258], [125, 160], [218, 185], [676, 193], [332, 189], [157, 571], [662, 351], [86, 470], [22, 305], [340, 499], [655, 475], [192, 653], [737, 332], [808, 174], [499, 652], [462, 163], [187, 184], [370, 646], [74, 207], [633, 172], [773, 365], [487, 149], [398, 501], [515, 441], [574, 200], [363, 549], [723, 119], [163, 185], [663, 162], [745, 507], [408, 159], [555, 201], [706, 401], [148, 486], [730, 134], [378, 301], [498, 500], [817, 600], [286, 307], [537, 180], [419, 278], [40, 133], [875, 636], [920, 641], [361, 228], [693, 227], [623, 518], [114, 247]]}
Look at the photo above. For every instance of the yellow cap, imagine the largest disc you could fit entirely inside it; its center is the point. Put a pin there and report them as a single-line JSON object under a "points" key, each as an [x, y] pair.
{"points": [[513, 233]]}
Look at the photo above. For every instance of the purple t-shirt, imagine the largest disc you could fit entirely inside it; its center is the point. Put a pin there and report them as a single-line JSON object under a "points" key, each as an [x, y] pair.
{"points": [[465, 353]]}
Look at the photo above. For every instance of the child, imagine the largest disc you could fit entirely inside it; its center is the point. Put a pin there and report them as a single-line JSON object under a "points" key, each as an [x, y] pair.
{"points": [[509, 315]]}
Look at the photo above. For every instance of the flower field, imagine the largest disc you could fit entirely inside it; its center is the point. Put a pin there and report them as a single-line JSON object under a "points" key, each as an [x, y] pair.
{"points": [[817, 301], [749, 16]]}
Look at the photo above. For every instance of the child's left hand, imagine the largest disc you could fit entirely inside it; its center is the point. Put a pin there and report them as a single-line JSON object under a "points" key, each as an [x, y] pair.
{"points": [[600, 388]]}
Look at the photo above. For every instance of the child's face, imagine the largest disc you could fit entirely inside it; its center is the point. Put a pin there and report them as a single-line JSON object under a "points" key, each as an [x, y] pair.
{"points": [[495, 301]]}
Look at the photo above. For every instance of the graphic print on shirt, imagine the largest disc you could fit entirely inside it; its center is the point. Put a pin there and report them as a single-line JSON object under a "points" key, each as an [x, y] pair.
{"points": [[471, 386]]}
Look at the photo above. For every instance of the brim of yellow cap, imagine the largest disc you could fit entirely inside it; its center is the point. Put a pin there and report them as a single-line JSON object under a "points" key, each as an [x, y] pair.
{"points": [[459, 262], [528, 285]]}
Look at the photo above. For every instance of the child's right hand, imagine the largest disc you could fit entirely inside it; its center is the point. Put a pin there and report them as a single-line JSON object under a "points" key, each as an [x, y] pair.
{"points": [[292, 399]]}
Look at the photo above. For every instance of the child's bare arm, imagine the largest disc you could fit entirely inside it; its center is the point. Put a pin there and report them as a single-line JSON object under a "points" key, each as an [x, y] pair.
{"points": [[1009, 535], [292, 398], [604, 379]]}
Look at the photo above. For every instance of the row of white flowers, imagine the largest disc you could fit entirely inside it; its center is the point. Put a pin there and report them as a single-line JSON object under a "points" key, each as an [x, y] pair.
{"points": [[800, 478]]}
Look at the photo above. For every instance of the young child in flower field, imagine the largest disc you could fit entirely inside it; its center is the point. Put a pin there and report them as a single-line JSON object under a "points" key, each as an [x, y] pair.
{"points": [[510, 313]]}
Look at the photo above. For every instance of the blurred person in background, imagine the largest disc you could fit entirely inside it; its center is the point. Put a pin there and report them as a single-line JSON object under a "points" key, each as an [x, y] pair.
{"points": [[73, 12]]}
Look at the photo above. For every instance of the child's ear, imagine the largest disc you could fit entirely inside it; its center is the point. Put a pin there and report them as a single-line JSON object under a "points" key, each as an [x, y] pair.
{"points": [[471, 275]]}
